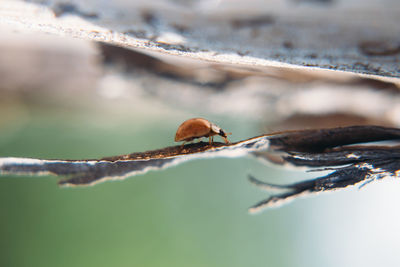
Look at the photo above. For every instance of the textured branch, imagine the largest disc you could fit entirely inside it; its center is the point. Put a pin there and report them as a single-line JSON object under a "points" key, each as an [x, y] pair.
{"points": [[324, 149], [90, 172], [349, 165]]}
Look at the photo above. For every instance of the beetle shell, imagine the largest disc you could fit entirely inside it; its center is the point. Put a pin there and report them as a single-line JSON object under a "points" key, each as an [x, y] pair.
{"points": [[197, 128]]}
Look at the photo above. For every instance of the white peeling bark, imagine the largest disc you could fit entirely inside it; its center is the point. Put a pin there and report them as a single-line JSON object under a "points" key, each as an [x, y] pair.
{"points": [[352, 36]]}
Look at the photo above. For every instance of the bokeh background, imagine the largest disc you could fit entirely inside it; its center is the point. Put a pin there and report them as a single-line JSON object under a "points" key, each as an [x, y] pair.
{"points": [[68, 98]]}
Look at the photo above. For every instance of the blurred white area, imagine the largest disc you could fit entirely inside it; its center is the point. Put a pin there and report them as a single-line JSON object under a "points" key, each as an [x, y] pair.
{"points": [[362, 101], [44, 62], [350, 228]]}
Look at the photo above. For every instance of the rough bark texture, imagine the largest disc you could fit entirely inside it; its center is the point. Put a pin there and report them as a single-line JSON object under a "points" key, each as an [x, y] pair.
{"points": [[352, 36]]}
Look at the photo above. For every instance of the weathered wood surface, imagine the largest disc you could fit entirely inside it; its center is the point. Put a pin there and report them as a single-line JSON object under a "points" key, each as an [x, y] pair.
{"points": [[352, 36]]}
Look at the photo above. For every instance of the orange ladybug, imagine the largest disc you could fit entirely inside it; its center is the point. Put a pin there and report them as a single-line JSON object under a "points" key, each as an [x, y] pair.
{"points": [[198, 128]]}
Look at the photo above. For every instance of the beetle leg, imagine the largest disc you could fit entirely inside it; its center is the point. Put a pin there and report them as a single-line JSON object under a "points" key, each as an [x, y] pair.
{"points": [[210, 140], [226, 140], [183, 144]]}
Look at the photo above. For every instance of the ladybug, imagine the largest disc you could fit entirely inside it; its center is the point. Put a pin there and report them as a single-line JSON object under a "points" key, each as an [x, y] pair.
{"points": [[198, 128]]}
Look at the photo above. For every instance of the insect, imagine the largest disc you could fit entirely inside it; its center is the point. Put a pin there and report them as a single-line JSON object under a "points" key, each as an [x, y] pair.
{"points": [[198, 128]]}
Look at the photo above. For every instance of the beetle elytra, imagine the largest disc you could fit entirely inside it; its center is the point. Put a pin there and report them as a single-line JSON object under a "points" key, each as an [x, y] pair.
{"points": [[198, 128]]}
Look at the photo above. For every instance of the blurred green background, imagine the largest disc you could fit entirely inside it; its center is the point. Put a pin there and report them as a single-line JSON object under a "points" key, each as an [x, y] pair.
{"points": [[190, 215]]}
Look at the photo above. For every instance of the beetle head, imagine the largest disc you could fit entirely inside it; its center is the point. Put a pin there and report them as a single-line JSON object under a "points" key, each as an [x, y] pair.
{"points": [[224, 135]]}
